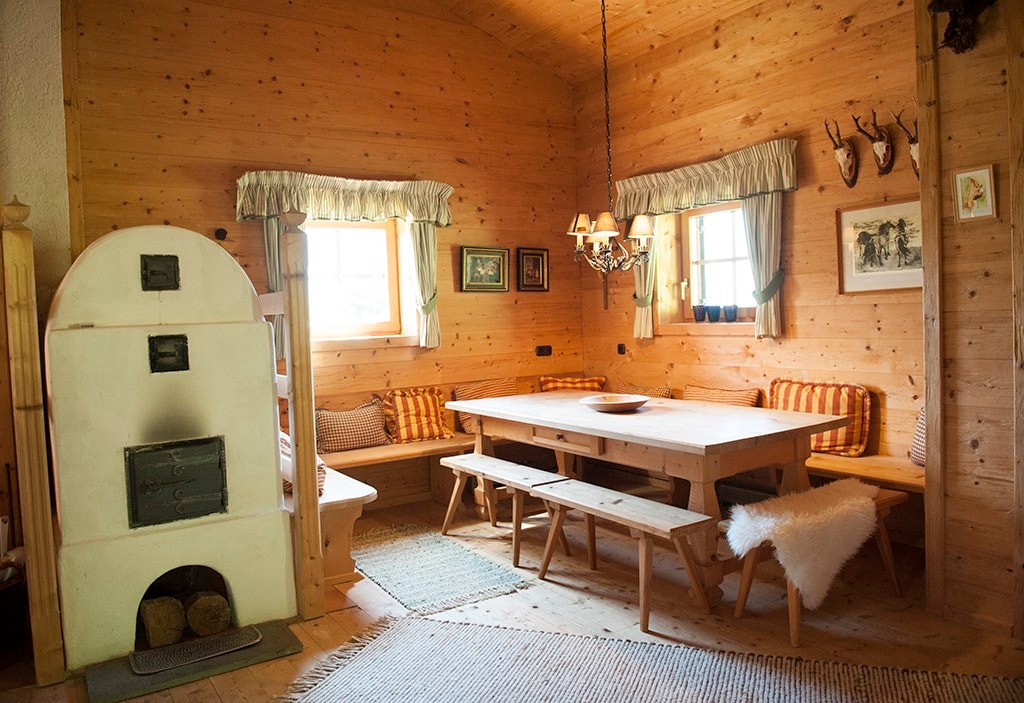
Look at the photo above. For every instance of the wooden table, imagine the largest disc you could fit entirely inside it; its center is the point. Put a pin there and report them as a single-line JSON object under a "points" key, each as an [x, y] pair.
{"points": [[689, 441]]}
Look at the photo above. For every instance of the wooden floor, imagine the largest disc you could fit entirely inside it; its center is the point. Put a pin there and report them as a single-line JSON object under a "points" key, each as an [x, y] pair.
{"points": [[860, 621]]}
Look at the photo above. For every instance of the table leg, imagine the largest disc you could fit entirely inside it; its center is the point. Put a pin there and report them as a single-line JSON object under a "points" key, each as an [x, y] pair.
{"points": [[703, 499], [568, 464], [794, 473]]}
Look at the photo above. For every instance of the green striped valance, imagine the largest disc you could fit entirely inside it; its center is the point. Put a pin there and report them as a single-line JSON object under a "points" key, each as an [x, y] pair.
{"points": [[264, 194], [762, 168]]}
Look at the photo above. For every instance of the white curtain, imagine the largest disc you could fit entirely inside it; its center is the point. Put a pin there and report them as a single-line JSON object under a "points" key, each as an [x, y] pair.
{"points": [[422, 204], [424, 244], [750, 173], [272, 246], [762, 220], [643, 290]]}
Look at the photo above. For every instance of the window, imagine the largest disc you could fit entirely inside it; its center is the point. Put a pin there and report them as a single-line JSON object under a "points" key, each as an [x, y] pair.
{"points": [[358, 282], [705, 262]]}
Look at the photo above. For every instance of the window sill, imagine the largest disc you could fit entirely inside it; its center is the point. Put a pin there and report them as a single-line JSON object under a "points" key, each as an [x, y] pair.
{"points": [[704, 329], [384, 342]]}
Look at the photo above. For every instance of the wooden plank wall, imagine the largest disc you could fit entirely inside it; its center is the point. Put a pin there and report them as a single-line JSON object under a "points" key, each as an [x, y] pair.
{"points": [[179, 98], [777, 69], [981, 429]]}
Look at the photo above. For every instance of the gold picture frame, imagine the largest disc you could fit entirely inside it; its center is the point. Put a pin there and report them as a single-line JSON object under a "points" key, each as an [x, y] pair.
{"points": [[484, 270], [880, 246], [973, 194]]}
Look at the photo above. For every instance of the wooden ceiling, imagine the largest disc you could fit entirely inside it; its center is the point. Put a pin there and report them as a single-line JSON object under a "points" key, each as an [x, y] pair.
{"points": [[565, 35]]}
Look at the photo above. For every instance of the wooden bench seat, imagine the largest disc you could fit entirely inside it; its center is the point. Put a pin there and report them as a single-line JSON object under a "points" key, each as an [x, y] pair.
{"points": [[386, 453], [341, 503], [892, 472], [517, 479], [645, 519]]}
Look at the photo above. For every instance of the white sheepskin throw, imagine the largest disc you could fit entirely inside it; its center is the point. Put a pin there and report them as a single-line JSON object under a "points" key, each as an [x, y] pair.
{"points": [[814, 532]]}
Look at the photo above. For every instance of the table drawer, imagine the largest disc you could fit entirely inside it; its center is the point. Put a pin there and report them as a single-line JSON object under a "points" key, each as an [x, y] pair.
{"points": [[563, 441]]}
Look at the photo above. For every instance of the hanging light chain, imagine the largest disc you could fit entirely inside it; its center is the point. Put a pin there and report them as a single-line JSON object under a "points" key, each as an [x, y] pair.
{"points": [[607, 103]]}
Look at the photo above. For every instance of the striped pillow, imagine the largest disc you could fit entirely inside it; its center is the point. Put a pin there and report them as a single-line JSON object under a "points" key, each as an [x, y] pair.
{"points": [[363, 426], [654, 392], [918, 446], [554, 383], [415, 414], [848, 399], [482, 389], [750, 397]]}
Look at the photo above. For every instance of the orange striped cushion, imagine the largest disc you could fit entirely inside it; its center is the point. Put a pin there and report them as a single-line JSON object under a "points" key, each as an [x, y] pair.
{"points": [[848, 399], [554, 383], [415, 414], [740, 396], [653, 392], [482, 389]]}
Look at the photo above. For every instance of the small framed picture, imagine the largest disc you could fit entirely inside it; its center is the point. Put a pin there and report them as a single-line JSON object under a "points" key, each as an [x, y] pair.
{"points": [[880, 246], [533, 269], [484, 269], [973, 197]]}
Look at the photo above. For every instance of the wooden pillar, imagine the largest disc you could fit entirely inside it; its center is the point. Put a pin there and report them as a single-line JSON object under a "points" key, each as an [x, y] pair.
{"points": [[931, 246], [309, 561], [1015, 96], [30, 442]]}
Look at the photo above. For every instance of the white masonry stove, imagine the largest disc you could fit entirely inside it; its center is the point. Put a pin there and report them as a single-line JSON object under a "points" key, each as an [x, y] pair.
{"points": [[164, 428]]}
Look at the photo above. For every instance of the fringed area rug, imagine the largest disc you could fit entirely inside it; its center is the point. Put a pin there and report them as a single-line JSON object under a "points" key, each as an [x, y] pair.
{"points": [[429, 573], [416, 659]]}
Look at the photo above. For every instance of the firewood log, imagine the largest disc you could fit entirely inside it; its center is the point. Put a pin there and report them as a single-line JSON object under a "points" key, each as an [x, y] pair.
{"points": [[207, 613], [163, 620]]}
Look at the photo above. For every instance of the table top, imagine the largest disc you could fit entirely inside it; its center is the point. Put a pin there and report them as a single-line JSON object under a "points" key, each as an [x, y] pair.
{"points": [[691, 426]]}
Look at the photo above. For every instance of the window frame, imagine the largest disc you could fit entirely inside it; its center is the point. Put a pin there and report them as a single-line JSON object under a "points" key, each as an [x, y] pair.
{"points": [[673, 289], [398, 322]]}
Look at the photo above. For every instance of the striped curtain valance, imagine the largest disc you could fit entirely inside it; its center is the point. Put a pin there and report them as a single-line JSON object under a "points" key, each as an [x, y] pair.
{"points": [[264, 194], [762, 168]]}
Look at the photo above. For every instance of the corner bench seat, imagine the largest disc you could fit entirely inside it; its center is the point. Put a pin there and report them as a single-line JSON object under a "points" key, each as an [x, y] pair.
{"points": [[386, 453], [341, 503], [893, 472]]}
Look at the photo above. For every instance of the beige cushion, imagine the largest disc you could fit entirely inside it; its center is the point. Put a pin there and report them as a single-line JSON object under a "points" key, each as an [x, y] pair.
{"points": [[363, 426], [917, 449], [495, 388], [847, 399], [750, 397], [653, 391], [286, 466]]}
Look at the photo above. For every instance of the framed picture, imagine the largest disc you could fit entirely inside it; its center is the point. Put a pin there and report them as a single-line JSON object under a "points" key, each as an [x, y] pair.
{"points": [[880, 246], [533, 269], [484, 269], [973, 197]]}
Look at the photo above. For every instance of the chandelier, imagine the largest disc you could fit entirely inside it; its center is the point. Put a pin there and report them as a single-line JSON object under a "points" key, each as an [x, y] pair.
{"points": [[606, 253]]}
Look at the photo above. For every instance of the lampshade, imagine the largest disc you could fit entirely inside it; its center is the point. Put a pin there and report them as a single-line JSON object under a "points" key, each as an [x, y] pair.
{"points": [[606, 226], [580, 224], [642, 228]]}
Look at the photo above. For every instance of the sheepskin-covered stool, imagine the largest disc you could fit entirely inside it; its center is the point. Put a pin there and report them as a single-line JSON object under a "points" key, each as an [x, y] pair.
{"points": [[814, 533]]}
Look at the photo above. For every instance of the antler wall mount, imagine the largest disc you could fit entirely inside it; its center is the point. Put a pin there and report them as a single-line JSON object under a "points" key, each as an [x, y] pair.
{"points": [[881, 143], [846, 155]]}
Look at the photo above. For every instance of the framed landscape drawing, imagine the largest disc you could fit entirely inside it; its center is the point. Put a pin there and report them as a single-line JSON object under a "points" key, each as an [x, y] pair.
{"points": [[880, 246], [533, 269], [973, 197], [484, 269]]}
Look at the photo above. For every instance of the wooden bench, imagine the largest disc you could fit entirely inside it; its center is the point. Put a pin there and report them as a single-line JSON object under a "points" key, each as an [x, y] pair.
{"points": [[892, 472], [645, 519], [409, 479], [516, 479], [341, 503]]}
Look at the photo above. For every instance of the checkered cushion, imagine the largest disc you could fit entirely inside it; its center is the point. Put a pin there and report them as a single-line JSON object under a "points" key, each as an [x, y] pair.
{"points": [[652, 392], [286, 466], [554, 383], [362, 426], [918, 446], [482, 389], [739, 396], [848, 399], [415, 414]]}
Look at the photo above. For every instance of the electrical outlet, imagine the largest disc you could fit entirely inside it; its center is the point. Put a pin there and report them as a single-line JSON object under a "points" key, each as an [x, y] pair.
{"points": [[621, 348], [544, 350]]}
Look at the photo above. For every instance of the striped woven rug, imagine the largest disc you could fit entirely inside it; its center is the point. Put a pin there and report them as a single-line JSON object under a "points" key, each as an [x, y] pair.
{"points": [[417, 659]]}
